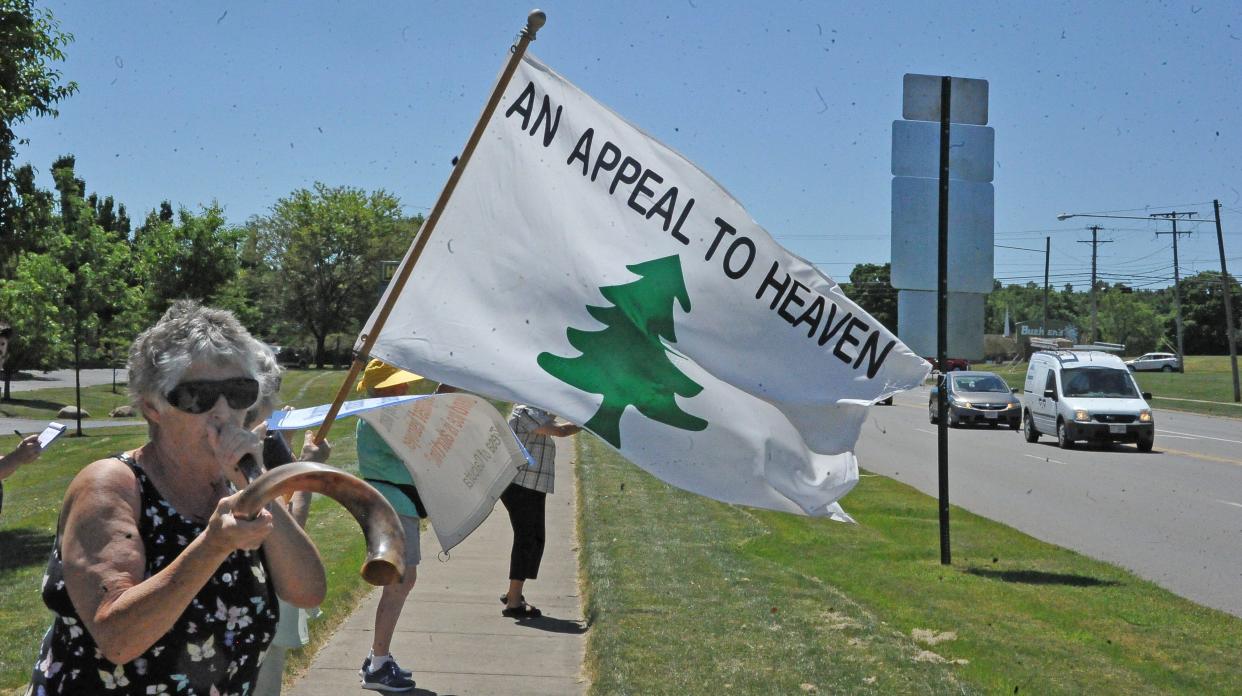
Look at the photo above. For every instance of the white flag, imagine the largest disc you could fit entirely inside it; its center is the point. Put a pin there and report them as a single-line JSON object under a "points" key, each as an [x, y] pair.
{"points": [[587, 269]]}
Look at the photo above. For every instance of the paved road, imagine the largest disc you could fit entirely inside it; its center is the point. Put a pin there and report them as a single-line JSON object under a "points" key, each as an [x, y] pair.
{"points": [[1173, 516]]}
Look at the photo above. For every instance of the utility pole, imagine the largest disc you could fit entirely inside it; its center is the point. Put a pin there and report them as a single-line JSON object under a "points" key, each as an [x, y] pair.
{"points": [[1095, 242], [1228, 286], [1043, 330], [1177, 282]]}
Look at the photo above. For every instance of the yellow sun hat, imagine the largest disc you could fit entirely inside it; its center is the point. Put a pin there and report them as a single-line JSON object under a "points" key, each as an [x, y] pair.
{"points": [[379, 374]]}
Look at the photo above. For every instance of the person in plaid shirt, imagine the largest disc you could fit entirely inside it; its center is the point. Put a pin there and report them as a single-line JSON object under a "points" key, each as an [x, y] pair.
{"points": [[524, 499]]}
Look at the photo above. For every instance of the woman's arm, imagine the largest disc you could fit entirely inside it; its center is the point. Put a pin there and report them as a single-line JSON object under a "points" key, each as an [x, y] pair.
{"points": [[557, 430], [297, 570], [104, 560], [26, 451]]}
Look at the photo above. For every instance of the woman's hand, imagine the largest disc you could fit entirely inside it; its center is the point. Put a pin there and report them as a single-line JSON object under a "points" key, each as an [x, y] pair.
{"points": [[231, 443], [314, 451], [228, 533], [26, 451]]}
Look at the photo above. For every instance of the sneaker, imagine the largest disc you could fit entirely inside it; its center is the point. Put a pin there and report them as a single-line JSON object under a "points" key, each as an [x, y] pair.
{"points": [[387, 678], [366, 664]]}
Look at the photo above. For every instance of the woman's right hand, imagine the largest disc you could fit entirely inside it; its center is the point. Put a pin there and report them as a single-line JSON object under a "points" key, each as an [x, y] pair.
{"points": [[228, 533]]}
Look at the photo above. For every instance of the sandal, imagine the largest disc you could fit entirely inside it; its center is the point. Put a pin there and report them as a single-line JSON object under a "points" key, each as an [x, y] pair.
{"points": [[504, 599], [525, 611]]}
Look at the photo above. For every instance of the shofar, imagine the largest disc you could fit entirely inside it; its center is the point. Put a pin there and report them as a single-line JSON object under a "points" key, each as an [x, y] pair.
{"points": [[385, 562]]}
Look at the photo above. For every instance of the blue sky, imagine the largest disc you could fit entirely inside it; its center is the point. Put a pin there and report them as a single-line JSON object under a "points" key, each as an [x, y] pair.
{"points": [[1117, 107]]}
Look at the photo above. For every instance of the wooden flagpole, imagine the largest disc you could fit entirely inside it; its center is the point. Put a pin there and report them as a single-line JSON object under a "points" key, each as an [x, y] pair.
{"points": [[534, 21]]}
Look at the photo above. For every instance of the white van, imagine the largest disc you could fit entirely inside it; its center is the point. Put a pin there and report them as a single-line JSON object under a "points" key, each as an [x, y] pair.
{"points": [[1084, 395]]}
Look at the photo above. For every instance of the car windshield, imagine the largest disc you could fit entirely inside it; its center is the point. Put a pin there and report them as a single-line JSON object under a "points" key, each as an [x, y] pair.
{"points": [[1099, 383], [980, 383]]}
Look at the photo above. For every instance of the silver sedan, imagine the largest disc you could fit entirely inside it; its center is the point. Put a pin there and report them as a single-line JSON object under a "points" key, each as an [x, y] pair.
{"points": [[978, 397]]}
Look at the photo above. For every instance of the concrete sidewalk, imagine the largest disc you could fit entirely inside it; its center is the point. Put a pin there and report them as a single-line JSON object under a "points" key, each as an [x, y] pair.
{"points": [[451, 633]]}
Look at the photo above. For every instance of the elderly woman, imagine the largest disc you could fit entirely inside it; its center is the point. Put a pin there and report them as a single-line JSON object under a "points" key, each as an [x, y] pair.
{"points": [[156, 586]]}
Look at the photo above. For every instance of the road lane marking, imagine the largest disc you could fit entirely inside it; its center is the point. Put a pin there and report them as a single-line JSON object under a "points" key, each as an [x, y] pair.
{"points": [[1044, 459], [1165, 433], [929, 432], [1228, 502], [1205, 437], [1204, 457]]}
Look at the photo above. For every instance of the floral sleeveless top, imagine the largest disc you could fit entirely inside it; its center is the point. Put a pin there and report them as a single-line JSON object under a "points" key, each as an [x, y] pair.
{"points": [[215, 647]]}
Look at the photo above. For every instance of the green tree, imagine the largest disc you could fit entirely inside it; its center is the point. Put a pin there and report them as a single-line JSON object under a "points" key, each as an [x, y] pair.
{"points": [[30, 41], [195, 257], [871, 287], [324, 247], [1203, 313], [1131, 319], [32, 300], [99, 302], [627, 361]]}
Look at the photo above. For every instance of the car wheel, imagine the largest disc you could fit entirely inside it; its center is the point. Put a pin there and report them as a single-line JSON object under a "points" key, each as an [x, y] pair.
{"points": [[1145, 442], [1015, 425], [1028, 428], [1167, 368], [1063, 438], [931, 413]]}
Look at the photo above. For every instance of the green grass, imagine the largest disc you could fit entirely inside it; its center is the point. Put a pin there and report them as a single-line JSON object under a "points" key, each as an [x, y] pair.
{"points": [[32, 502], [1207, 378], [690, 596], [43, 404]]}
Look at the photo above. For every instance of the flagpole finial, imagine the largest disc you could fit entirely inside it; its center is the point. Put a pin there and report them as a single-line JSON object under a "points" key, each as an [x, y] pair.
{"points": [[534, 22]]}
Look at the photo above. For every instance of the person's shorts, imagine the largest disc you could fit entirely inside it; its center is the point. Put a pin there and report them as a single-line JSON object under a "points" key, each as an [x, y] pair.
{"points": [[413, 549]]}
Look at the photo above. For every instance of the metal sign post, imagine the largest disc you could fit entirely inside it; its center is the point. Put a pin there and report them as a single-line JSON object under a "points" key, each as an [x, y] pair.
{"points": [[942, 321], [943, 151]]}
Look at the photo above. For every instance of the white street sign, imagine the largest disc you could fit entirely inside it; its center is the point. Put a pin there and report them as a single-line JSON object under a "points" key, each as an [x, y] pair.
{"points": [[915, 215], [968, 103], [916, 323], [916, 151]]}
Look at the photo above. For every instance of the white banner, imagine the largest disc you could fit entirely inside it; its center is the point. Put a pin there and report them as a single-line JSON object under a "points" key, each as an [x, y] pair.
{"points": [[457, 447], [585, 268]]}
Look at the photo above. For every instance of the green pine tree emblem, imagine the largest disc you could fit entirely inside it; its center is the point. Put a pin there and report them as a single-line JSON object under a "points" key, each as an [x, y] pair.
{"points": [[627, 362]]}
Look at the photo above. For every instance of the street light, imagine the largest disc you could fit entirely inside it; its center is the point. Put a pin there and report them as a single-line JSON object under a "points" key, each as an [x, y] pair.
{"points": [[1177, 285]]}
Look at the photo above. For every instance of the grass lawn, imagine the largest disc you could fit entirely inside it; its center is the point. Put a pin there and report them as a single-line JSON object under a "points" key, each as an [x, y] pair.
{"points": [[690, 596], [1207, 378], [32, 503], [45, 403]]}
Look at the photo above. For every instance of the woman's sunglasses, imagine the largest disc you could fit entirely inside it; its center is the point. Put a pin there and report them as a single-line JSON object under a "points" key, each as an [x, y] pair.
{"points": [[200, 396]]}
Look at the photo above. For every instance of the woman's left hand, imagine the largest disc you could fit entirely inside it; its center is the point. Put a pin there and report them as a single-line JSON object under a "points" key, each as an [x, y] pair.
{"points": [[234, 442]]}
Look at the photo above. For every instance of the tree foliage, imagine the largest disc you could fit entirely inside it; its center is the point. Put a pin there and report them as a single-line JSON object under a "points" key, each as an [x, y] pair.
{"points": [[30, 41], [194, 256], [324, 247], [1203, 312], [871, 287]]}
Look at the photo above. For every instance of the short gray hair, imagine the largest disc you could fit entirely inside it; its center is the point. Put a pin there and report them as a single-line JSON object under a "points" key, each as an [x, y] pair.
{"points": [[189, 332]]}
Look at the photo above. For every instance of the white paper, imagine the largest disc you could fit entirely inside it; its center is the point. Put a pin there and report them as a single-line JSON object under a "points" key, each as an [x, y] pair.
{"points": [[50, 433]]}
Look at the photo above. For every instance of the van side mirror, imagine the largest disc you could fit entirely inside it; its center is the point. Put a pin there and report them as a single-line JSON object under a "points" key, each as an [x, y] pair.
{"points": [[1013, 390], [1050, 394], [1146, 396]]}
